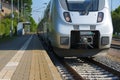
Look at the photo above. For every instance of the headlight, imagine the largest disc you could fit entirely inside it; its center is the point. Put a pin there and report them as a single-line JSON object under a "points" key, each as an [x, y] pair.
{"points": [[100, 17], [67, 16], [64, 40], [105, 40]]}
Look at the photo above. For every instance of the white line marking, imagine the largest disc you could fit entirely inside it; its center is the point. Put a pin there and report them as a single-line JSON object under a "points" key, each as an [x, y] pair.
{"points": [[9, 69]]}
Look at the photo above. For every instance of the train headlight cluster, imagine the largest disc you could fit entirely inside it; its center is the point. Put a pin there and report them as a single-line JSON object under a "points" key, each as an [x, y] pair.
{"points": [[64, 40], [67, 16], [100, 17]]}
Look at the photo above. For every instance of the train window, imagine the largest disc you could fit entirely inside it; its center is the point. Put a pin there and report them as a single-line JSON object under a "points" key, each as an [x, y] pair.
{"points": [[83, 5], [63, 4]]}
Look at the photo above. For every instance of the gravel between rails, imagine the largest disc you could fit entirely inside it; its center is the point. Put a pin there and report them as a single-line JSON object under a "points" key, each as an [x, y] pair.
{"points": [[90, 71], [106, 60]]}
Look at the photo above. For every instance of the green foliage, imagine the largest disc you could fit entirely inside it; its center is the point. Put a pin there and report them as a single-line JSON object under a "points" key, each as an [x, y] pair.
{"points": [[116, 36], [6, 22], [5, 27], [33, 26], [116, 20], [23, 4]]}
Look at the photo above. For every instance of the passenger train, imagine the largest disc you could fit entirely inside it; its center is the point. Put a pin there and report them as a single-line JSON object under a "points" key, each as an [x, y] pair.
{"points": [[80, 28]]}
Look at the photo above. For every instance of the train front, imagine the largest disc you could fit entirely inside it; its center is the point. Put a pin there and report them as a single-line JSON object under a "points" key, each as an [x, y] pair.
{"points": [[83, 27]]}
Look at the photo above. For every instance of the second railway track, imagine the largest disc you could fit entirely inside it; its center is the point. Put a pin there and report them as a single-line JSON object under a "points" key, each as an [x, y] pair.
{"points": [[115, 46], [115, 43]]}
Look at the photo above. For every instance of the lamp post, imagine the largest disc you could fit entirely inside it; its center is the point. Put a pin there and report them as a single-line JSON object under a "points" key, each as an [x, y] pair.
{"points": [[12, 16], [0, 14], [22, 8], [0, 6], [1, 9], [18, 10]]}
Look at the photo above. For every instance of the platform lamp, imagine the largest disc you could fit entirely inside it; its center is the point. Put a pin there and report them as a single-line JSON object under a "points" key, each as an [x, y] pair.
{"points": [[12, 16], [1, 9], [18, 10]]}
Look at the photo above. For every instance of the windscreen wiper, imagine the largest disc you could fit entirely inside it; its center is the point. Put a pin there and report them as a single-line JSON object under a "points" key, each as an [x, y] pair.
{"points": [[88, 7], [86, 11]]}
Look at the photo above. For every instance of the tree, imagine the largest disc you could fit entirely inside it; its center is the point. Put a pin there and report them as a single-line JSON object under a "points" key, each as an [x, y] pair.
{"points": [[33, 26], [116, 20], [6, 21]]}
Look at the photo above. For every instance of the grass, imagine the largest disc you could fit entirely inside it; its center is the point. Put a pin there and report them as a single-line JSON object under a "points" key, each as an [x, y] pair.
{"points": [[116, 36]]}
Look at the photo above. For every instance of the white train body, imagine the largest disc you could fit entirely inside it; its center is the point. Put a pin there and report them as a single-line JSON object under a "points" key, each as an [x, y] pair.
{"points": [[78, 27]]}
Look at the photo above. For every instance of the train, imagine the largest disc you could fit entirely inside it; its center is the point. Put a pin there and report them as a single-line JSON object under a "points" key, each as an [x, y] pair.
{"points": [[80, 28]]}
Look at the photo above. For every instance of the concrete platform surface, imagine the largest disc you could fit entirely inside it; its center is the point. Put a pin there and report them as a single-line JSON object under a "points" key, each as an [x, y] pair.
{"points": [[30, 62]]}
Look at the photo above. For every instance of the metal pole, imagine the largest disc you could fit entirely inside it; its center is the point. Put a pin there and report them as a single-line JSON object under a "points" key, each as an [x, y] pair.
{"points": [[24, 10], [0, 6], [12, 15], [18, 10], [21, 7], [0, 14]]}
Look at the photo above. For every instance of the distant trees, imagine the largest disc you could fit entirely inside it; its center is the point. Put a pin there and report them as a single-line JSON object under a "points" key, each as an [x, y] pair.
{"points": [[33, 27], [25, 11], [23, 4], [116, 20]]}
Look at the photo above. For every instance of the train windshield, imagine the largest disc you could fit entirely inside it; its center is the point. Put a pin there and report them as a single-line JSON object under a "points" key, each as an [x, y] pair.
{"points": [[83, 5]]}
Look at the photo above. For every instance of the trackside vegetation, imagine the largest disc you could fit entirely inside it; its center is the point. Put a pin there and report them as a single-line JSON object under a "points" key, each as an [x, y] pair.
{"points": [[24, 15], [116, 20]]}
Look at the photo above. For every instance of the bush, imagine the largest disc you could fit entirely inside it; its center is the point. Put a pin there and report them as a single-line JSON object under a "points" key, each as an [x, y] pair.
{"points": [[6, 25], [116, 20], [33, 26]]}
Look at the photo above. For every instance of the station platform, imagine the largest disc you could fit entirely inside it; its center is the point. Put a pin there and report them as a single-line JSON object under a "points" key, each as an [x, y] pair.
{"points": [[30, 62]]}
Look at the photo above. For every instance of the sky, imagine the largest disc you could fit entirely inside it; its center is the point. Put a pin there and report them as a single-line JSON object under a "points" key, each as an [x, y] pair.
{"points": [[115, 3], [39, 6]]}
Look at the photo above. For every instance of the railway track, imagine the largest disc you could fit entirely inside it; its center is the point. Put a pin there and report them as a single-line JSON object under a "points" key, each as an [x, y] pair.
{"points": [[81, 69], [89, 69], [84, 69], [116, 39], [115, 46], [115, 43]]}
